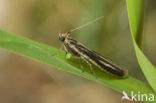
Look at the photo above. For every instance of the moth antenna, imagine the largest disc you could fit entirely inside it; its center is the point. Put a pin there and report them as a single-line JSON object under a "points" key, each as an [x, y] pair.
{"points": [[86, 24]]}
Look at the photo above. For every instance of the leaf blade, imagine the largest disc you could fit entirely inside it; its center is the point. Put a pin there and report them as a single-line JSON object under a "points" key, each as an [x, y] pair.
{"points": [[136, 17], [41, 52]]}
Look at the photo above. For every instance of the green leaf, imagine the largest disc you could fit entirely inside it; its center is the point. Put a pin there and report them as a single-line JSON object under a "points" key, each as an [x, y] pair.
{"points": [[136, 20], [43, 53]]}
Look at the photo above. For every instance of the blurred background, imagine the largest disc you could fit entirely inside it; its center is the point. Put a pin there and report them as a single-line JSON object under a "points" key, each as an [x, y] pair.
{"points": [[23, 80]]}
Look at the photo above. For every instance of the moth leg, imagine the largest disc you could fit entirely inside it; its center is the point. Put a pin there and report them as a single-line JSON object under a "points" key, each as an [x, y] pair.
{"points": [[81, 65], [82, 68], [90, 67], [66, 50]]}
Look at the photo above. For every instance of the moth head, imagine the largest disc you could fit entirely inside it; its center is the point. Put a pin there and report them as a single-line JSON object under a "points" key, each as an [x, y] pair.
{"points": [[62, 37]]}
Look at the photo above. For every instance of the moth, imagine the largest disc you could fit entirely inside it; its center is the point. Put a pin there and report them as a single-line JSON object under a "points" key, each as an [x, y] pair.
{"points": [[89, 56]]}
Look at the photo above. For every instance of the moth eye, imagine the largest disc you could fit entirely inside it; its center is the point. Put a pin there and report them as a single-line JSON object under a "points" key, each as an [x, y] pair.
{"points": [[61, 39]]}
